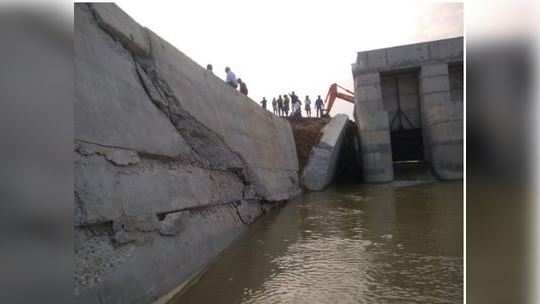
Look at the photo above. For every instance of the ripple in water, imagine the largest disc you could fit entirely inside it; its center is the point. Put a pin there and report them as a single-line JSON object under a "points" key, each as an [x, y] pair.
{"points": [[402, 245]]}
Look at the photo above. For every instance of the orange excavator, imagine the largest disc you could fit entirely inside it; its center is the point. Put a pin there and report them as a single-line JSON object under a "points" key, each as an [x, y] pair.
{"points": [[333, 94]]}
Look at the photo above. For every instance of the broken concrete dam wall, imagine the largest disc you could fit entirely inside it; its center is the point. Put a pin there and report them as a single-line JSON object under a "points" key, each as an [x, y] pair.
{"points": [[322, 164], [171, 164], [328, 150]]}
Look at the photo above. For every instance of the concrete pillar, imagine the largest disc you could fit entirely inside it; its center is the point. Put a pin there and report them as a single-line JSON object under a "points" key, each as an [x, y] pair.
{"points": [[373, 129], [442, 122]]}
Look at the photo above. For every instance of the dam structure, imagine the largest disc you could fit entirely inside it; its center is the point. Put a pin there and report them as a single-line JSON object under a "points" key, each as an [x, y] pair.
{"points": [[409, 107], [170, 163]]}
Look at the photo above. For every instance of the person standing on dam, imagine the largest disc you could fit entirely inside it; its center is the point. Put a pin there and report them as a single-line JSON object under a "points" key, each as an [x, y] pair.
{"points": [[319, 106], [263, 103], [294, 97], [307, 105], [274, 105], [296, 108], [209, 68], [285, 105], [243, 87], [231, 78]]}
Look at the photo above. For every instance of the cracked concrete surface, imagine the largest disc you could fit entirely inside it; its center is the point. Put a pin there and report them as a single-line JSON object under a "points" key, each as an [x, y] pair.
{"points": [[169, 166], [322, 163]]}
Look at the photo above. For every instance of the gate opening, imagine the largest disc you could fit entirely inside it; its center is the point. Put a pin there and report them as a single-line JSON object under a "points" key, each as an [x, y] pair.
{"points": [[400, 92], [348, 165]]}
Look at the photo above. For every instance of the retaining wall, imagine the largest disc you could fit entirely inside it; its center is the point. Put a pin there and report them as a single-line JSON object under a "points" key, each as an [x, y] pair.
{"points": [[171, 164]]}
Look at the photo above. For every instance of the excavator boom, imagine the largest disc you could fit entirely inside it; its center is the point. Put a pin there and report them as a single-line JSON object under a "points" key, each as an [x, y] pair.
{"points": [[333, 94]]}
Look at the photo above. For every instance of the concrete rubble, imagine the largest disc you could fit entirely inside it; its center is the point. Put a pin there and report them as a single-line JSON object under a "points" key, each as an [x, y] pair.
{"points": [[171, 164]]}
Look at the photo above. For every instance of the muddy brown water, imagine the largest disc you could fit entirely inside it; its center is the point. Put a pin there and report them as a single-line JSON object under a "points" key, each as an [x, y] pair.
{"points": [[349, 244]]}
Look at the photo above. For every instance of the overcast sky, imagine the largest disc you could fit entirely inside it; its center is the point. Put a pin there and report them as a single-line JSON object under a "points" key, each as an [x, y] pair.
{"points": [[282, 45]]}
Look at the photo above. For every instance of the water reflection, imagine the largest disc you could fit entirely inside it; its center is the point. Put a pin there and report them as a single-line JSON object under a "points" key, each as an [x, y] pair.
{"points": [[354, 244]]}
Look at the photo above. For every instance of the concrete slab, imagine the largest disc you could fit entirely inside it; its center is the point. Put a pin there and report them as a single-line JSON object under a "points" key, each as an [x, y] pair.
{"points": [[141, 272], [407, 55], [441, 113], [367, 79], [434, 99], [113, 19], [448, 161], [320, 169], [366, 93], [377, 167], [434, 84], [264, 141], [171, 164], [429, 70], [371, 120], [111, 106], [447, 50], [376, 59], [106, 191]]}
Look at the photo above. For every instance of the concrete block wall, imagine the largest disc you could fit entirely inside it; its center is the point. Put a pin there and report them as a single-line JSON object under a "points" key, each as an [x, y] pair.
{"points": [[409, 56], [373, 128], [170, 163], [442, 122], [441, 106]]}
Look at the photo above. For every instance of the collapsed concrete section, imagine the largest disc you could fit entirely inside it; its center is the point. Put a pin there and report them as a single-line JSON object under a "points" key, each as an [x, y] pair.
{"points": [[409, 106], [322, 163], [171, 164]]}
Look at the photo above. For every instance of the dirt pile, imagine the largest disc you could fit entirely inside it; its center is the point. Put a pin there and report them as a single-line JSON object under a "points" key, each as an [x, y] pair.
{"points": [[307, 133]]}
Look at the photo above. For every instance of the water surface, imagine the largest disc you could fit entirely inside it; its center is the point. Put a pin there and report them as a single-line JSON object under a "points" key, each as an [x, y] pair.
{"points": [[349, 244]]}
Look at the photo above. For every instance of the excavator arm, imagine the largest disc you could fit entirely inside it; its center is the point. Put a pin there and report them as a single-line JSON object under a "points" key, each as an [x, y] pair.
{"points": [[333, 94]]}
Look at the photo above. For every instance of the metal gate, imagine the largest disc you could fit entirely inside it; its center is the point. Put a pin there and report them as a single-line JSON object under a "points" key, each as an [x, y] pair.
{"points": [[404, 116]]}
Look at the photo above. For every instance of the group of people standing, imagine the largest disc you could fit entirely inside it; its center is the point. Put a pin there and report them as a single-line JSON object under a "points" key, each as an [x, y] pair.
{"points": [[280, 105], [230, 79], [283, 105]]}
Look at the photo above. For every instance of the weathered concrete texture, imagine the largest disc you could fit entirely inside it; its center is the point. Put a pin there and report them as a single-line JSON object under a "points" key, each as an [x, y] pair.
{"points": [[321, 166], [170, 163], [152, 260], [443, 122], [376, 154], [373, 129], [265, 143], [109, 95], [416, 75], [153, 187], [409, 56], [123, 27]]}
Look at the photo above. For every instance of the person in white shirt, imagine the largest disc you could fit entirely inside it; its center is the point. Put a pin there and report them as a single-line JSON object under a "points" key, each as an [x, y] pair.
{"points": [[296, 112], [231, 78]]}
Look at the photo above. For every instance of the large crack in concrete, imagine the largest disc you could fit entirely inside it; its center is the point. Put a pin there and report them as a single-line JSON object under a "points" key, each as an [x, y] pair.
{"points": [[208, 146], [105, 243], [210, 149]]}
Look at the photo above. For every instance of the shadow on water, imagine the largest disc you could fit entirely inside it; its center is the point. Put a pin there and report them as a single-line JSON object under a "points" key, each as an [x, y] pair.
{"points": [[353, 243]]}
